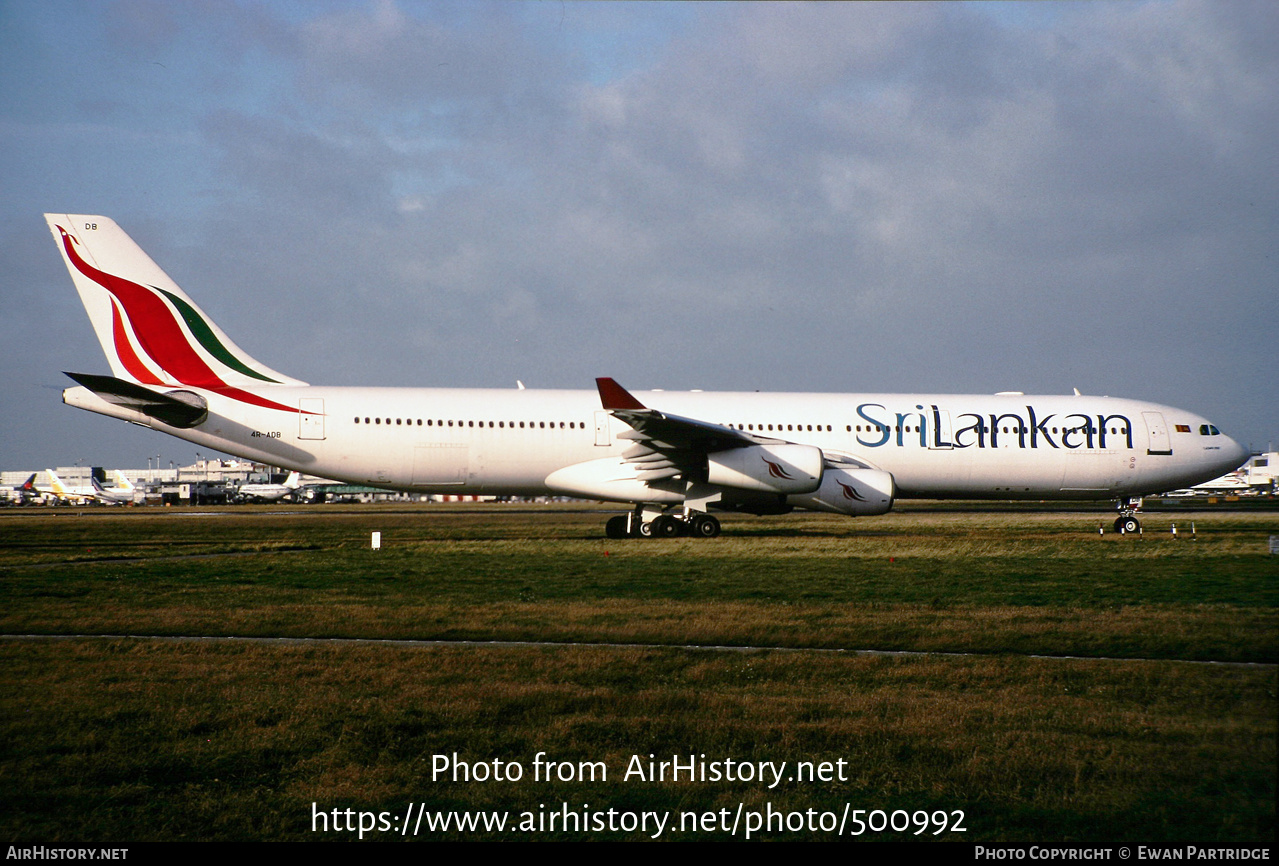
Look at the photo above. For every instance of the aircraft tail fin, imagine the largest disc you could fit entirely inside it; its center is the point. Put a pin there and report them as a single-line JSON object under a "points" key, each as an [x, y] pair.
{"points": [[151, 332], [55, 483], [294, 481]]}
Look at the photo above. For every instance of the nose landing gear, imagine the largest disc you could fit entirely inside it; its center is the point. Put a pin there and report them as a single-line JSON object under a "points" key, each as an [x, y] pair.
{"points": [[1127, 521], [1127, 524]]}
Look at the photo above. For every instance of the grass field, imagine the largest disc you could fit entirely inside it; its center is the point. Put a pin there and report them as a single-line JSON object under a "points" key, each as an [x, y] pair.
{"points": [[1159, 729]]}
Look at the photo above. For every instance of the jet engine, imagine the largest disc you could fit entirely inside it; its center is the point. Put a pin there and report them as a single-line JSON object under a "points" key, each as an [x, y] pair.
{"points": [[850, 491], [782, 468]]}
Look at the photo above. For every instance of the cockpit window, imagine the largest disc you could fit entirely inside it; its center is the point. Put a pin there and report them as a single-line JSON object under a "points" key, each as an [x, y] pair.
{"points": [[1208, 430]]}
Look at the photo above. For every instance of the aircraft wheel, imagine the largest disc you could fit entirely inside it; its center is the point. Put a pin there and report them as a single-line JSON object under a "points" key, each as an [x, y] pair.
{"points": [[704, 526], [667, 526], [644, 530], [616, 527], [1127, 524]]}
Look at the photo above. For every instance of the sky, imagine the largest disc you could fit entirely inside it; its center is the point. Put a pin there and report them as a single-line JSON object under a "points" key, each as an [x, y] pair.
{"points": [[933, 198]]}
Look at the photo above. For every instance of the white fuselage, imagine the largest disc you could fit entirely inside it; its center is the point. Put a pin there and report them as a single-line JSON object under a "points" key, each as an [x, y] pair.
{"points": [[506, 442]]}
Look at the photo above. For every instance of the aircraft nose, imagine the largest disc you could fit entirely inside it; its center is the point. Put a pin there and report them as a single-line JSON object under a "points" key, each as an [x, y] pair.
{"points": [[1234, 454]]}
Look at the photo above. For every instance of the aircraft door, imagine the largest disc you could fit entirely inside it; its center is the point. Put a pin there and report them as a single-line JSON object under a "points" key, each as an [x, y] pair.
{"points": [[601, 427], [1158, 433], [311, 418], [940, 440]]}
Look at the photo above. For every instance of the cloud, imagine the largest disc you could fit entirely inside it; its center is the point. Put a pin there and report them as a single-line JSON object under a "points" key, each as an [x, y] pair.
{"points": [[937, 197]]}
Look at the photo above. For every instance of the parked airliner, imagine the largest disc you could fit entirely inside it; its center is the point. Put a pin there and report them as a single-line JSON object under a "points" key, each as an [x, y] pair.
{"points": [[673, 457], [78, 495], [123, 493], [267, 492], [85, 493]]}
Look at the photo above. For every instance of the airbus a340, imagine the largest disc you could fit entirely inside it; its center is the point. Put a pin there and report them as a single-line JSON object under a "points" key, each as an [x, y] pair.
{"points": [[674, 457]]}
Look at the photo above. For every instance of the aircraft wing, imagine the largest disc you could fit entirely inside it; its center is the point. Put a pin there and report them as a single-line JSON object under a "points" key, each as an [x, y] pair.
{"points": [[667, 445], [670, 432]]}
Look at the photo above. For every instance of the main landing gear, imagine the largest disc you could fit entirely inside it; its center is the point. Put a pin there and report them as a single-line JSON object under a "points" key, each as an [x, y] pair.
{"points": [[1127, 521], [643, 523]]}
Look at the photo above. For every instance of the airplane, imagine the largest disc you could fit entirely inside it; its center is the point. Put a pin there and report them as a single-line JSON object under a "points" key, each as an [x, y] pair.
{"points": [[27, 492], [269, 492], [123, 492], [80, 495], [672, 457], [84, 494]]}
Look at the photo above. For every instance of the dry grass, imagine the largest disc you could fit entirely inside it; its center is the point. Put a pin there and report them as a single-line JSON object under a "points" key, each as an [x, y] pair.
{"points": [[235, 742], [1209, 634], [103, 741]]}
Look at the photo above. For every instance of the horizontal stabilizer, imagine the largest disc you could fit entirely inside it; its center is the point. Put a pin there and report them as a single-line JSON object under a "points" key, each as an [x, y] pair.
{"points": [[182, 409]]}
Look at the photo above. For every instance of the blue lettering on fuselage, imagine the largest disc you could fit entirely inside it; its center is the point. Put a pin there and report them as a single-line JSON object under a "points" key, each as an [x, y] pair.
{"points": [[976, 427], [1126, 427], [937, 428], [1039, 428], [875, 423], [972, 430]]}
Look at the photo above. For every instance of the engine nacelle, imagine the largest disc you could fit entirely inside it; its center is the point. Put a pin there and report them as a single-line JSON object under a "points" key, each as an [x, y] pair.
{"points": [[782, 468], [850, 491]]}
